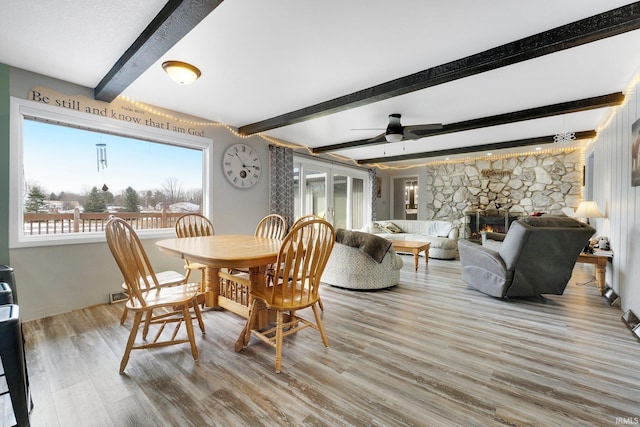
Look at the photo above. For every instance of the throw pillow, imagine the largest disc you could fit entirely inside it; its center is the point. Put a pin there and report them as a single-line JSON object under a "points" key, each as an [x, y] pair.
{"points": [[390, 228]]}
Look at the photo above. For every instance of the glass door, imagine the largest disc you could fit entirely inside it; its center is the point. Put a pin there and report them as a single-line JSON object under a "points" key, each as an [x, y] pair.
{"points": [[337, 194], [315, 193], [340, 196]]}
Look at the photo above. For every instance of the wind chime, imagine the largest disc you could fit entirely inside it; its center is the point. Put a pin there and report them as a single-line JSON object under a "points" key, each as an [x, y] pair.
{"points": [[101, 157]]}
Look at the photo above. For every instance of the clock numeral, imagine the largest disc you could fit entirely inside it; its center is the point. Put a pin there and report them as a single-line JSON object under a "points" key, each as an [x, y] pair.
{"points": [[229, 173]]}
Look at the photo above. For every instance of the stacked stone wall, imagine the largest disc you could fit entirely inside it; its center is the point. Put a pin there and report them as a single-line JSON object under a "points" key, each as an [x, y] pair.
{"points": [[545, 182]]}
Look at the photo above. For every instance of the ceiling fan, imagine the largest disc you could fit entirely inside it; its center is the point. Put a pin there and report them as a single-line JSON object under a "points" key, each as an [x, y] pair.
{"points": [[395, 132]]}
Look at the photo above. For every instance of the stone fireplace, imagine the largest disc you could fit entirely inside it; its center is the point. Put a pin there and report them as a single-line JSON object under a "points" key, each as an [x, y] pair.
{"points": [[493, 192]]}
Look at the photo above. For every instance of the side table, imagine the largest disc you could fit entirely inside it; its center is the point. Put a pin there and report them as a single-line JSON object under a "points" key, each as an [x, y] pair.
{"points": [[600, 262]]}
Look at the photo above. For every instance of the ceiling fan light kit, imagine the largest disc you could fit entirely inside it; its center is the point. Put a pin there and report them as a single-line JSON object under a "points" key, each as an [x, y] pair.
{"points": [[394, 132]]}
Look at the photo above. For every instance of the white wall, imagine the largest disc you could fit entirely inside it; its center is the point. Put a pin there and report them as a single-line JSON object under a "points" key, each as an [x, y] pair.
{"points": [[620, 201], [58, 279]]}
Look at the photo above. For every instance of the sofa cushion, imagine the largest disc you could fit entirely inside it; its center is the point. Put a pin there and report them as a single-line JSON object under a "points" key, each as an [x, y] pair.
{"points": [[439, 228]]}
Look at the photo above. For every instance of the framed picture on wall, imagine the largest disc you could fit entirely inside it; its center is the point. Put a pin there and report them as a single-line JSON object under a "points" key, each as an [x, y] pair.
{"points": [[635, 146]]}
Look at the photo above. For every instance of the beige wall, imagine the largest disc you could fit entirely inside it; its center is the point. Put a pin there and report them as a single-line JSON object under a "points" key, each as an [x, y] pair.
{"points": [[620, 201]]}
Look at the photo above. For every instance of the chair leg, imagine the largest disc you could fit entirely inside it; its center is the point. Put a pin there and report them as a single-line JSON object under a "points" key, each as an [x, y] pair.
{"points": [[250, 321], [196, 310], [325, 341], [147, 322], [186, 276], [132, 339], [320, 304], [279, 336], [188, 322], [125, 312]]}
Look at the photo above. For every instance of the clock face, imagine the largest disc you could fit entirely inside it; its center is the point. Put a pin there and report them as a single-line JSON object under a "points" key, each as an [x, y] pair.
{"points": [[241, 165]]}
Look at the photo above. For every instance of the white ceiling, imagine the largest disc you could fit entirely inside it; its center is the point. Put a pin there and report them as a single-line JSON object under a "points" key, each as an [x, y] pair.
{"points": [[261, 59]]}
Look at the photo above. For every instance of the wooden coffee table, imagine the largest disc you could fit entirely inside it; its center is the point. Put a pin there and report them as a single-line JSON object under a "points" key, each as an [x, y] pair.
{"points": [[413, 247]]}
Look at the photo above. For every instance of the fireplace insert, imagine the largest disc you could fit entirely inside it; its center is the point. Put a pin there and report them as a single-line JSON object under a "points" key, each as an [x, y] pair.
{"points": [[497, 222]]}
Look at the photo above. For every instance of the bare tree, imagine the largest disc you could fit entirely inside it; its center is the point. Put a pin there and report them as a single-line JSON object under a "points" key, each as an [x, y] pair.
{"points": [[172, 190]]}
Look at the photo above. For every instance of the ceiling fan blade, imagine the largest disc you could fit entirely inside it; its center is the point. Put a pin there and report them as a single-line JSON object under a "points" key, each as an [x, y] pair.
{"points": [[379, 138], [408, 136], [427, 126], [367, 129]]}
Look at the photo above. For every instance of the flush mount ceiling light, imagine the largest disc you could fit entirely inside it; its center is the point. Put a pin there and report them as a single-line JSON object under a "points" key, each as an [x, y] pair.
{"points": [[181, 72]]}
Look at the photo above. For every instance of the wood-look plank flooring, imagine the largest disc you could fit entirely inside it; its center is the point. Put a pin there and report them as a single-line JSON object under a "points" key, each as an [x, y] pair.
{"points": [[428, 352]]}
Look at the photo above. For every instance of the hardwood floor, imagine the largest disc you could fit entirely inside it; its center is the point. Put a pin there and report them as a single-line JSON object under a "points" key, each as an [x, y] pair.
{"points": [[428, 352]]}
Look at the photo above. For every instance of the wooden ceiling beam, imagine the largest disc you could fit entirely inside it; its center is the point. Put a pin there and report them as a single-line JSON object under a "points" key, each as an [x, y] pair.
{"points": [[499, 119], [174, 21], [475, 148], [597, 27]]}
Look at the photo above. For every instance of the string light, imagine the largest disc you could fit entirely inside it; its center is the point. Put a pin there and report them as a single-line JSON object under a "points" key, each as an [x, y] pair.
{"points": [[380, 166], [604, 123], [480, 157]]}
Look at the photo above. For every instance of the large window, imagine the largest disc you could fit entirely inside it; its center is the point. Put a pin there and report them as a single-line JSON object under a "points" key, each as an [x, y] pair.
{"points": [[71, 171]]}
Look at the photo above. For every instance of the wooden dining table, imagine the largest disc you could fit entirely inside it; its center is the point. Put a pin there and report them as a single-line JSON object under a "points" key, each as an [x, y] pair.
{"points": [[228, 251]]}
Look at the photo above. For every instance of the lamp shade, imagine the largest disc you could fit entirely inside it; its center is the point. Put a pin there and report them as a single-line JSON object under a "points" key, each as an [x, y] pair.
{"points": [[588, 209], [181, 72]]}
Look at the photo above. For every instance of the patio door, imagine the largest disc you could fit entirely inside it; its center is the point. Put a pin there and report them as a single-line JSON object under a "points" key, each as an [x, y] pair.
{"points": [[335, 193]]}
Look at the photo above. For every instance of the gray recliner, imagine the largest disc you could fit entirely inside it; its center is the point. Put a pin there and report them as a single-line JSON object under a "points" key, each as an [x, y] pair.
{"points": [[536, 257]]}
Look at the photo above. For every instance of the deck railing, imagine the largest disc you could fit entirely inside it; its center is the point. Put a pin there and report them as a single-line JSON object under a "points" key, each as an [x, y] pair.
{"points": [[76, 222]]}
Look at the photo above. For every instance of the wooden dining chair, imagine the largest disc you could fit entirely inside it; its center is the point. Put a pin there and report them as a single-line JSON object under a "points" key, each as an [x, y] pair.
{"points": [[305, 218], [164, 278], [299, 221], [301, 260], [193, 225], [158, 305], [272, 226]]}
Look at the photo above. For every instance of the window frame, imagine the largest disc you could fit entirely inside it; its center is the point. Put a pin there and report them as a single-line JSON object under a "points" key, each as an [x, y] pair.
{"points": [[22, 109]]}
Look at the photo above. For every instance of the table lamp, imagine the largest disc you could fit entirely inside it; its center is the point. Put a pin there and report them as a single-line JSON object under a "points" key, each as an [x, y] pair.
{"points": [[588, 209]]}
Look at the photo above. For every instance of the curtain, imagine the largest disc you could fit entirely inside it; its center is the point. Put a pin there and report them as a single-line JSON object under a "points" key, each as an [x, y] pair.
{"points": [[281, 189], [373, 186]]}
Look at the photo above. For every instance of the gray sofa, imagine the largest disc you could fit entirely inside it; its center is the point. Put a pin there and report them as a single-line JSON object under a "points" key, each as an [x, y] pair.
{"points": [[443, 235], [536, 256]]}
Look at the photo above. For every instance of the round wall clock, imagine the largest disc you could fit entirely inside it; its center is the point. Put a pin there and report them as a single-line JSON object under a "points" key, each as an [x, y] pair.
{"points": [[241, 165]]}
